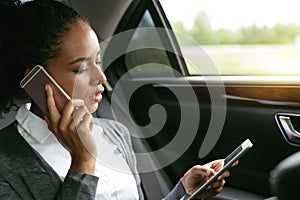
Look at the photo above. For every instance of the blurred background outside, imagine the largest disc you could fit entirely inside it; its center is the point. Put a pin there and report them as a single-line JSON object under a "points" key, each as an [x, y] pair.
{"points": [[257, 37]]}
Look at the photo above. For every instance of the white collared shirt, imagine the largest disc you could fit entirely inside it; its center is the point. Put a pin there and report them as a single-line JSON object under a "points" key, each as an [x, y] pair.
{"points": [[115, 179]]}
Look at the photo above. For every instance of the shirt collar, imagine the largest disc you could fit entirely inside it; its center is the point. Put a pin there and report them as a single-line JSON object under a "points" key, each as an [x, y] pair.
{"points": [[32, 124]]}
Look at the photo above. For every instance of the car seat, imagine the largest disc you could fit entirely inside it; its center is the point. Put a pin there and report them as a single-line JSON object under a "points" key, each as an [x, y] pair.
{"points": [[285, 176]]}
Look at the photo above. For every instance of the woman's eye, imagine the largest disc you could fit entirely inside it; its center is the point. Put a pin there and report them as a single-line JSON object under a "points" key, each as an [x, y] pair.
{"points": [[99, 63], [80, 70]]}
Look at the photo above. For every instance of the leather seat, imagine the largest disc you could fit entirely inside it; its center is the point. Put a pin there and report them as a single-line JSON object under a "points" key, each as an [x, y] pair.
{"points": [[284, 178]]}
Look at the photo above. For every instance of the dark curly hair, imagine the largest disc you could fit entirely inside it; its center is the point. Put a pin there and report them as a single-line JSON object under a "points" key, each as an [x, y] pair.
{"points": [[30, 34]]}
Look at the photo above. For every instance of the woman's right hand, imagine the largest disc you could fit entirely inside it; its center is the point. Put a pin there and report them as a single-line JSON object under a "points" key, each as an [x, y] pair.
{"points": [[73, 129]]}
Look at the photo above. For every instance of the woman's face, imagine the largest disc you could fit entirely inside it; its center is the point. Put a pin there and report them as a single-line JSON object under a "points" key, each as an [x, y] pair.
{"points": [[77, 69]]}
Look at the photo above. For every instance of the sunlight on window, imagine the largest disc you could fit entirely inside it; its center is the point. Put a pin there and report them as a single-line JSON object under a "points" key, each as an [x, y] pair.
{"points": [[241, 38]]}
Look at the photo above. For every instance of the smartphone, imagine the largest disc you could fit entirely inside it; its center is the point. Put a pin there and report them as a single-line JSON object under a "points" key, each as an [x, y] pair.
{"points": [[228, 162], [34, 85]]}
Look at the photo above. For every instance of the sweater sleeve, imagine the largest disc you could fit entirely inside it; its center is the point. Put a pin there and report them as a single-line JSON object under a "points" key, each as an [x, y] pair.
{"points": [[78, 186], [176, 193]]}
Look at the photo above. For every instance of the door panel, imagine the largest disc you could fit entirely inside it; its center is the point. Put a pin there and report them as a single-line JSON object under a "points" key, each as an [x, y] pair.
{"points": [[249, 117]]}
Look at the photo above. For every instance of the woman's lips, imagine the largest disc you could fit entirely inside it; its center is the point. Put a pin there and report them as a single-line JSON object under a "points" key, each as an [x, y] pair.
{"points": [[97, 97]]}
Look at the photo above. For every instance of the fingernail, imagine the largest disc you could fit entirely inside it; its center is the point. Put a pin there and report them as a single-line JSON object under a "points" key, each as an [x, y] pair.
{"points": [[77, 101], [46, 87]]}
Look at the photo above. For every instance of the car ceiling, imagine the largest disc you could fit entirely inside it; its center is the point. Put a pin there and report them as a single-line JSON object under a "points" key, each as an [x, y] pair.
{"points": [[104, 15]]}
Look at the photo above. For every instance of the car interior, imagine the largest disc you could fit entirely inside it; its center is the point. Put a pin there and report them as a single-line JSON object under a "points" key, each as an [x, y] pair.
{"points": [[180, 120]]}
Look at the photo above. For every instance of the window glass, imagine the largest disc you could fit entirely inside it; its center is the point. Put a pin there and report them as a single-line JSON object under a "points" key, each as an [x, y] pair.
{"points": [[142, 57], [240, 37]]}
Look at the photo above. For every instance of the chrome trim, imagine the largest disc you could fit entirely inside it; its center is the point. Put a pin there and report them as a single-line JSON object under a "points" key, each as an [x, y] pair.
{"points": [[287, 130]]}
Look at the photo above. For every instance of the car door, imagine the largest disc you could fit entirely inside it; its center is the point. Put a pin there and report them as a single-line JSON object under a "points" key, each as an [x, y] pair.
{"points": [[178, 119]]}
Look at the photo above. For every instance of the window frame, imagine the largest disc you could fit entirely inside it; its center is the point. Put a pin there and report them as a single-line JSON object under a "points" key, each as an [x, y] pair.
{"points": [[131, 20]]}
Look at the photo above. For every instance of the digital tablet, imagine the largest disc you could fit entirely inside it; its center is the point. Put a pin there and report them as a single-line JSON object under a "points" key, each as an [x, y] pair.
{"points": [[228, 162]]}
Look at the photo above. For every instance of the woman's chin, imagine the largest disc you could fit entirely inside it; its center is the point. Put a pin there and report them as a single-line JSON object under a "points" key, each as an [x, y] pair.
{"points": [[93, 107]]}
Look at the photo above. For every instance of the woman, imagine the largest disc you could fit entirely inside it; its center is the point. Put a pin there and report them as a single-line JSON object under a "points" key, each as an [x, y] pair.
{"points": [[55, 156]]}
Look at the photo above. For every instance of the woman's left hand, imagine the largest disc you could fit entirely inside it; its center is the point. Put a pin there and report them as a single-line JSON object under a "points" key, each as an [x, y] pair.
{"points": [[199, 174]]}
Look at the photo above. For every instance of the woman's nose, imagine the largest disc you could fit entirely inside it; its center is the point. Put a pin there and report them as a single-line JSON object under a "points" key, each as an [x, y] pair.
{"points": [[98, 76]]}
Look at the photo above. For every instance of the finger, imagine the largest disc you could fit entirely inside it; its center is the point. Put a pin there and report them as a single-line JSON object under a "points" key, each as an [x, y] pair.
{"points": [[54, 115], [84, 133], [84, 127], [218, 165], [79, 113], [202, 171], [235, 163], [214, 191], [217, 184], [47, 120], [67, 115], [224, 175], [91, 125], [85, 124], [210, 192]]}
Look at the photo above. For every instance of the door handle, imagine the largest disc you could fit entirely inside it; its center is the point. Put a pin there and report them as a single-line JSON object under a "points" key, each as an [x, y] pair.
{"points": [[291, 135]]}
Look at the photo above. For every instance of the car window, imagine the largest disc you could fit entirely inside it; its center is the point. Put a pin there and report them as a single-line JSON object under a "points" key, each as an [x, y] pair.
{"points": [[147, 61], [241, 38]]}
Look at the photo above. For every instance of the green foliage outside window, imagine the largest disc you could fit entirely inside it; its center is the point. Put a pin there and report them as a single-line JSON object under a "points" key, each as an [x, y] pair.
{"points": [[203, 33]]}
